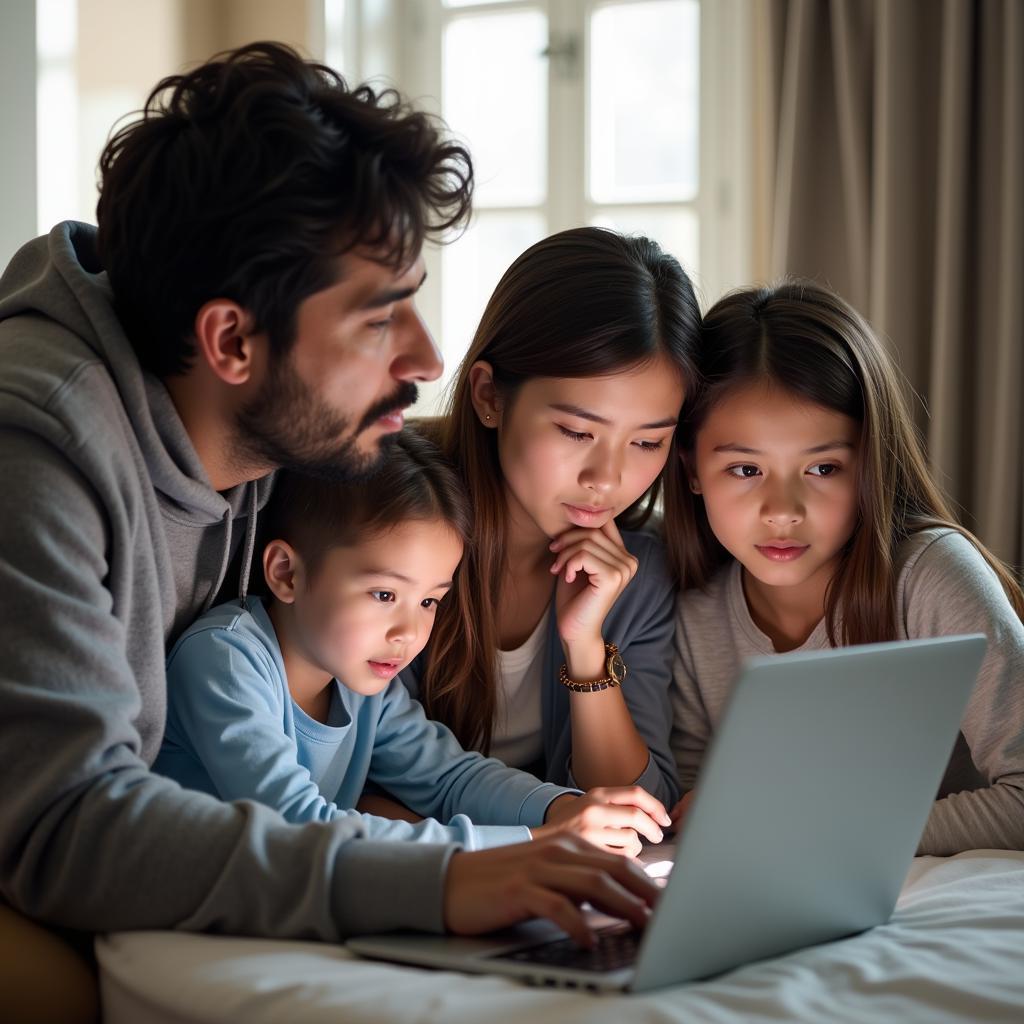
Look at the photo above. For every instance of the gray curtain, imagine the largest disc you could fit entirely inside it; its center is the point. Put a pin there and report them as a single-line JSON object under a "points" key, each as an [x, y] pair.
{"points": [[893, 154]]}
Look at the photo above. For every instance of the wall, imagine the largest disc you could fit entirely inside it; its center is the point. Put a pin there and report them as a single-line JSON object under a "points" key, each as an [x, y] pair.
{"points": [[122, 48], [17, 126]]}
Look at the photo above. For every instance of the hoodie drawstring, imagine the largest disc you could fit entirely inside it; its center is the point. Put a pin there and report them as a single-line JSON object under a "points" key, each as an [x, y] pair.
{"points": [[250, 542], [223, 565]]}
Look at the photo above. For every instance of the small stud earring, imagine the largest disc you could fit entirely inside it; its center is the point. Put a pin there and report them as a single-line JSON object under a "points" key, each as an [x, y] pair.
{"points": [[488, 417], [695, 487]]}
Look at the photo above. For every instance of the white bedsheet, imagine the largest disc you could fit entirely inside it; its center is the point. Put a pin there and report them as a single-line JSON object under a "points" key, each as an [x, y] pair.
{"points": [[953, 951]]}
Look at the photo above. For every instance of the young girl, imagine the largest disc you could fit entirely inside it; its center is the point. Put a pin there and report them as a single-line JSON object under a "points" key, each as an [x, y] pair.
{"points": [[553, 652], [808, 519], [293, 701]]}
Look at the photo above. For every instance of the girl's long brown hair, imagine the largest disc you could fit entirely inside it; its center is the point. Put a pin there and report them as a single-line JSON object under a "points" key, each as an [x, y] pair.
{"points": [[809, 342], [581, 303]]}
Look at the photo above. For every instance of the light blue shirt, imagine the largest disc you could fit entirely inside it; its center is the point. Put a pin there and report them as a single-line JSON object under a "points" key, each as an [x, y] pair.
{"points": [[234, 731]]}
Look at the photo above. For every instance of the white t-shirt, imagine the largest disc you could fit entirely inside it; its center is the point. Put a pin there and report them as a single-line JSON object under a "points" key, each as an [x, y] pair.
{"points": [[517, 736]]}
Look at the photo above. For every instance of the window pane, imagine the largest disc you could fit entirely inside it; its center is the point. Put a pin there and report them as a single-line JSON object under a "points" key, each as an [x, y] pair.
{"points": [[334, 34], [472, 266], [675, 230], [496, 99], [643, 92], [57, 180]]}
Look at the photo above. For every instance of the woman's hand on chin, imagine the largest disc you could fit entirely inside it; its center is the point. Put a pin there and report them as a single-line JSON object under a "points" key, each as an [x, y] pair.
{"points": [[593, 568]]}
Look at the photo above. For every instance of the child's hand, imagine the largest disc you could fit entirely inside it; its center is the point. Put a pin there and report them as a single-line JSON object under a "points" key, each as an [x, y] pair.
{"points": [[593, 569], [613, 819]]}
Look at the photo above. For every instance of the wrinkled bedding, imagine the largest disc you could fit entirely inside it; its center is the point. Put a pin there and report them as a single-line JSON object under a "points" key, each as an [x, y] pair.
{"points": [[953, 951]]}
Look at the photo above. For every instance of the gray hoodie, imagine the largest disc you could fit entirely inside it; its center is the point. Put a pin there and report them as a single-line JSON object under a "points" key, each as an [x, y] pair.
{"points": [[111, 541]]}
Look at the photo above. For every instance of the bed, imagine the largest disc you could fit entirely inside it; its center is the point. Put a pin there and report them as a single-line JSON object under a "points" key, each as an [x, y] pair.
{"points": [[953, 951]]}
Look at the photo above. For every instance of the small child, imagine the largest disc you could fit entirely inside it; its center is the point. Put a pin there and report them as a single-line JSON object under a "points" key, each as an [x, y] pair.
{"points": [[293, 701], [810, 520]]}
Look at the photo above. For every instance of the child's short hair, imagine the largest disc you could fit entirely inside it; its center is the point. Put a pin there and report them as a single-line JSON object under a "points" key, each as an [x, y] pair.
{"points": [[414, 482]]}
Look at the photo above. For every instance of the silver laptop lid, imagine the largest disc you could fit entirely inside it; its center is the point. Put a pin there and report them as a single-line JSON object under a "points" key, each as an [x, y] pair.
{"points": [[810, 804]]}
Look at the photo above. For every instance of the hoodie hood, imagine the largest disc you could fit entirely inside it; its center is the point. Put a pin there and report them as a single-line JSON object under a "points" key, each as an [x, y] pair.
{"points": [[58, 278]]}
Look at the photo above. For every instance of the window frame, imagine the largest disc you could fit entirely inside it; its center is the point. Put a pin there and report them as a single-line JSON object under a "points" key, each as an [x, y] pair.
{"points": [[399, 42]]}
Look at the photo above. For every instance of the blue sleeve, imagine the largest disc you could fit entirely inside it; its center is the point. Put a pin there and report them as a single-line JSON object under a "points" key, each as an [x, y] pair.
{"points": [[642, 625], [227, 704], [422, 764]]}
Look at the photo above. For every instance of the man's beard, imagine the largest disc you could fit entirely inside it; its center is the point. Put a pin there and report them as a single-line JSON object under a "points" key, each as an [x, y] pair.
{"points": [[288, 426]]}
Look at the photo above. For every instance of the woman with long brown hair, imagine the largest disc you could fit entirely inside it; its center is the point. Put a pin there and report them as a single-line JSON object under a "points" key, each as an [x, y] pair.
{"points": [[807, 518], [553, 653]]}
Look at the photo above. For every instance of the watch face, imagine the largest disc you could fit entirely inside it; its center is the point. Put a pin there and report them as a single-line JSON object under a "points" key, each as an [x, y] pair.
{"points": [[616, 667]]}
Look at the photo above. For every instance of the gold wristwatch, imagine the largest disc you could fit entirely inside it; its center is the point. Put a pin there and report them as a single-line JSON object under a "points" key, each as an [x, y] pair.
{"points": [[615, 672]]}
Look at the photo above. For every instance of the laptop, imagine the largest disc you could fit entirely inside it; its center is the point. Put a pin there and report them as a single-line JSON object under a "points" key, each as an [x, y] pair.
{"points": [[809, 809]]}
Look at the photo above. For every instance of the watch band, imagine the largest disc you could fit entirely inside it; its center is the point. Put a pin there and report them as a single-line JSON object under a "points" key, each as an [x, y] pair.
{"points": [[615, 670]]}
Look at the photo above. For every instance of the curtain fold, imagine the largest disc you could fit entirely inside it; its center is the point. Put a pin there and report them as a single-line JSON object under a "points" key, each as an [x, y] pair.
{"points": [[894, 144]]}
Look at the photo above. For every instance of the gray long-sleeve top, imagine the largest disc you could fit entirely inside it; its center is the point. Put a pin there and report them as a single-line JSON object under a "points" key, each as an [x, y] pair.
{"points": [[944, 587], [111, 541]]}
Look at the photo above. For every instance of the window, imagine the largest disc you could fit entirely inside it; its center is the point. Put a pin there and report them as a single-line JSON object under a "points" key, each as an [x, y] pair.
{"points": [[609, 112], [59, 182]]}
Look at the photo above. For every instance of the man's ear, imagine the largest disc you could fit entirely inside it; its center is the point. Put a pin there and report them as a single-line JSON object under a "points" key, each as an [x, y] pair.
{"points": [[484, 394], [282, 569], [225, 340]]}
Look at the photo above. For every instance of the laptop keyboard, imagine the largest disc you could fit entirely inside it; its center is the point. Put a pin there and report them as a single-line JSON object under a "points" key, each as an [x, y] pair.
{"points": [[614, 949]]}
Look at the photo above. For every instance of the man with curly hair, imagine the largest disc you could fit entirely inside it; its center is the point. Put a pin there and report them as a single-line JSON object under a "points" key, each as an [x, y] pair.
{"points": [[246, 303]]}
